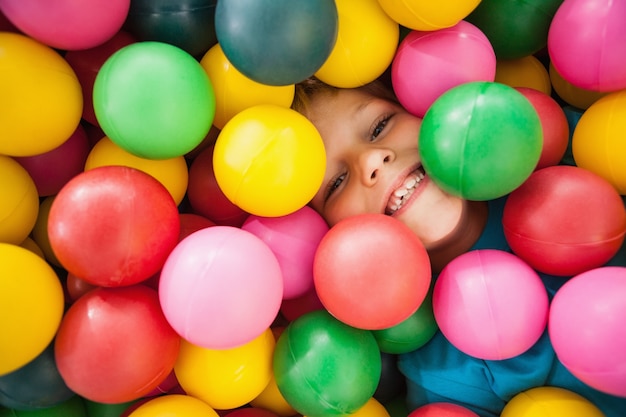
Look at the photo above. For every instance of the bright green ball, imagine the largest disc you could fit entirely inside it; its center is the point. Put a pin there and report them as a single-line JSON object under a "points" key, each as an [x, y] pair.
{"points": [[480, 140], [154, 100]]}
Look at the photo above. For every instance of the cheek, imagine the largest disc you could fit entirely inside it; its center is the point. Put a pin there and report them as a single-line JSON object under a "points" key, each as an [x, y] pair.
{"points": [[348, 203]]}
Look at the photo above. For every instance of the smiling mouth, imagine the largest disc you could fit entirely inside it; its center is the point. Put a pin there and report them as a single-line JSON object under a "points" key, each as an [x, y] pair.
{"points": [[402, 194]]}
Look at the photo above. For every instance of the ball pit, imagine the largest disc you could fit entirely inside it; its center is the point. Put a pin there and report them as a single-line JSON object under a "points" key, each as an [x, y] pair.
{"points": [[47, 86]]}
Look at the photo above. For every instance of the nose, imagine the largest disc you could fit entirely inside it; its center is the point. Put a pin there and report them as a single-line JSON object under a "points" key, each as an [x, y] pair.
{"points": [[372, 162]]}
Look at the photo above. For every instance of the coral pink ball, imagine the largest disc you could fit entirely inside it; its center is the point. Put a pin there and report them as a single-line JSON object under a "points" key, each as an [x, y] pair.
{"points": [[490, 304], [587, 328]]}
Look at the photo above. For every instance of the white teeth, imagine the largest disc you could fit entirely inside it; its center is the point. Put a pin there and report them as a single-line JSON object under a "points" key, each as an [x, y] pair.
{"points": [[400, 195], [411, 183], [401, 192]]}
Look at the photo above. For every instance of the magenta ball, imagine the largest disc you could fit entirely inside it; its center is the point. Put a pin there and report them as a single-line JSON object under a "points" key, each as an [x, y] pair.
{"points": [[221, 287], [67, 24], [564, 220], [293, 238], [490, 304], [53, 169], [427, 64], [594, 58], [371, 271], [587, 328], [442, 409]]}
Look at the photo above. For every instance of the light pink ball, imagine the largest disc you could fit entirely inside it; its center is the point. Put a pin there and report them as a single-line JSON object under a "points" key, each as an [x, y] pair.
{"points": [[490, 304], [221, 287], [293, 238], [587, 330], [429, 63], [587, 44]]}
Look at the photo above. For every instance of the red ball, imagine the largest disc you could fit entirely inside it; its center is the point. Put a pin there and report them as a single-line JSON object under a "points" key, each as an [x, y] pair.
{"points": [[442, 409], [113, 226], [554, 126], [371, 271], [114, 344], [205, 196], [564, 220], [53, 169]]}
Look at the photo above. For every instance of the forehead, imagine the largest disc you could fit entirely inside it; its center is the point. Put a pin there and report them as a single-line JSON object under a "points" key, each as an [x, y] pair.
{"points": [[331, 107]]}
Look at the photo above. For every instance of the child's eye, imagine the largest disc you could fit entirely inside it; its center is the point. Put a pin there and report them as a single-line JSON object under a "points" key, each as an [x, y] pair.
{"points": [[333, 184], [378, 127]]}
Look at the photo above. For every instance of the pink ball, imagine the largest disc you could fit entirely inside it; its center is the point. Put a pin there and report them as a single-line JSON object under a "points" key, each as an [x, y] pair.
{"points": [[490, 304], [427, 64], [221, 287], [442, 409], [67, 24], [586, 327], [293, 239], [53, 169], [594, 58]]}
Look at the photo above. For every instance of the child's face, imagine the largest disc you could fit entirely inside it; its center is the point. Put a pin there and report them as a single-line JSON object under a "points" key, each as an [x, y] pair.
{"points": [[373, 166]]}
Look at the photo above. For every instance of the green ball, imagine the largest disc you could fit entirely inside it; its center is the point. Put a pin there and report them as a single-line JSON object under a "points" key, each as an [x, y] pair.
{"points": [[154, 100], [323, 367], [410, 334], [73, 407], [480, 140]]}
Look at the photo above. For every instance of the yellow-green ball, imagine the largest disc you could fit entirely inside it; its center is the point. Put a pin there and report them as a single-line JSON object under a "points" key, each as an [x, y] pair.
{"points": [[269, 160]]}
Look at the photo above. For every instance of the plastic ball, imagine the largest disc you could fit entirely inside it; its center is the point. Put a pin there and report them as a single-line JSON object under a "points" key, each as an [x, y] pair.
{"points": [[490, 304], [442, 409], [293, 308], [350, 356], [598, 140], [350, 62], [554, 127], [269, 160], [172, 173], [294, 239], [113, 226], [35, 385], [31, 306], [66, 24], [251, 412], [418, 15], [189, 25], [550, 402], [74, 407], [115, 345], [40, 231], [271, 53], [372, 408], [154, 100], [20, 202], [585, 317], [410, 334], [371, 283], [35, 77], [53, 169], [205, 196], [427, 64], [592, 59], [564, 220], [96, 409], [525, 72], [572, 95], [226, 378], [175, 405], [235, 92], [272, 400], [515, 28], [190, 222], [86, 64], [204, 276], [480, 140]]}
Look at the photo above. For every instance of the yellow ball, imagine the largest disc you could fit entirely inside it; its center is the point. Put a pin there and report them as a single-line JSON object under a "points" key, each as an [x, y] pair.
{"points": [[19, 201], [174, 405], [272, 399], [572, 95], [524, 72], [550, 402], [31, 306], [367, 40], [40, 231], [228, 378], [598, 141], [41, 100], [372, 408], [235, 92], [269, 160], [172, 173], [428, 15]]}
